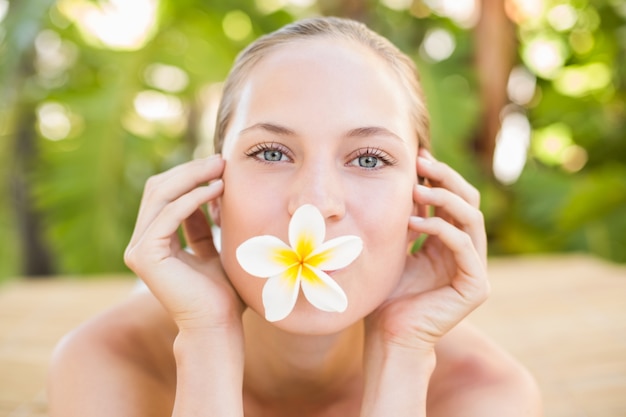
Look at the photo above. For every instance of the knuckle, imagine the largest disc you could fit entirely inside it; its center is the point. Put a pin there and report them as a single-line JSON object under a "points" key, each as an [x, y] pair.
{"points": [[152, 187], [479, 291], [484, 291], [441, 165], [465, 240], [477, 217], [129, 258], [474, 197], [152, 182]]}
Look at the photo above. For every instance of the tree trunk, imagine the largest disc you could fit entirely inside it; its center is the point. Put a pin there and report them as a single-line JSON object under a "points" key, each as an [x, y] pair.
{"points": [[25, 17], [353, 9], [496, 54], [36, 260]]}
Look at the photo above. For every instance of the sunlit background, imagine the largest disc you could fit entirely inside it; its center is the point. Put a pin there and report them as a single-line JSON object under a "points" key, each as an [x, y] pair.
{"points": [[527, 100]]}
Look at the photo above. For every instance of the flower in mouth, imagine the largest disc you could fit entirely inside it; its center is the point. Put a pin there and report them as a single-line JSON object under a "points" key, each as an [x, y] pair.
{"points": [[301, 263]]}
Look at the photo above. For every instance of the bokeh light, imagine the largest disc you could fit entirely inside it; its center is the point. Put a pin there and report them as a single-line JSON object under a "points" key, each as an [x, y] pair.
{"points": [[464, 13], [438, 45], [554, 145], [4, 9], [53, 121], [397, 4], [545, 55], [511, 149], [581, 80], [114, 24], [523, 11], [158, 107], [237, 25], [521, 86], [54, 56], [581, 41], [562, 17], [168, 78]]}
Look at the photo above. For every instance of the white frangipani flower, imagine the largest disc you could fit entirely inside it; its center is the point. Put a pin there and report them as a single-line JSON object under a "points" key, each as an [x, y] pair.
{"points": [[301, 263]]}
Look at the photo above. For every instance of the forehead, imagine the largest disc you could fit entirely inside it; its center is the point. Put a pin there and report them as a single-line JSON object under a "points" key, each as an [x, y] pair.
{"points": [[324, 79]]}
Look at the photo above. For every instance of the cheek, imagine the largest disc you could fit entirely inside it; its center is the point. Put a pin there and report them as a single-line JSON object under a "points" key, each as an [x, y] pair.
{"points": [[248, 208], [383, 221], [387, 238], [383, 208]]}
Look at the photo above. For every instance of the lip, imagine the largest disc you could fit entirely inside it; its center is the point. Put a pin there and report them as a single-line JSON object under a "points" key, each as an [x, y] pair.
{"points": [[333, 272]]}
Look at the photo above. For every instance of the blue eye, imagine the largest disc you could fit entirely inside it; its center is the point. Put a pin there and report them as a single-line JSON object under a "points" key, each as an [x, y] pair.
{"points": [[272, 155], [269, 153], [368, 161], [371, 159]]}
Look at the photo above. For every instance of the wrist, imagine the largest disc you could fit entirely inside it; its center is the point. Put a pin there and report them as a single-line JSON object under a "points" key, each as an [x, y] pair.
{"points": [[217, 317], [209, 367], [197, 341], [397, 335], [396, 379]]}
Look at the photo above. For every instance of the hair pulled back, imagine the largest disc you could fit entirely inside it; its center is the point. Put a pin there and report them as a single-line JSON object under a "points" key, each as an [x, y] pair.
{"points": [[329, 27]]}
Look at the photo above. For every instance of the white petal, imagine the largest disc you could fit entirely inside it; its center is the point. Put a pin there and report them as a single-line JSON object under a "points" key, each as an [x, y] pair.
{"points": [[259, 256], [307, 224], [336, 253], [324, 293], [280, 294], [216, 232]]}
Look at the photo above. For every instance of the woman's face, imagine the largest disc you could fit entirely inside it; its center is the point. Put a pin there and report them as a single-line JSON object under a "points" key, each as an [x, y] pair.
{"points": [[322, 122]]}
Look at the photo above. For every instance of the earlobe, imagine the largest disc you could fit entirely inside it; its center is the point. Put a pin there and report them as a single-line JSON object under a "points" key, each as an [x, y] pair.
{"points": [[215, 210]]}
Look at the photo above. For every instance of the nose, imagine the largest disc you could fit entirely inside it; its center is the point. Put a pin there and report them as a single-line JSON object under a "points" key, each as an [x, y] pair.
{"points": [[318, 184]]}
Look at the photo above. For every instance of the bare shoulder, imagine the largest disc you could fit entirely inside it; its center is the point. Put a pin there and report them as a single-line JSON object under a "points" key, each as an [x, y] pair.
{"points": [[118, 363], [476, 377]]}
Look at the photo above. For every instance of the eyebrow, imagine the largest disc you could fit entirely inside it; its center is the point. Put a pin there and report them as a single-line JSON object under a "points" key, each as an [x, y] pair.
{"points": [[359, 132], [270, 127]]}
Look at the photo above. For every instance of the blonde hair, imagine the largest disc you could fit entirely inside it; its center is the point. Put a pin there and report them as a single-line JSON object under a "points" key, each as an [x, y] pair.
{"points": [[332, 27]]}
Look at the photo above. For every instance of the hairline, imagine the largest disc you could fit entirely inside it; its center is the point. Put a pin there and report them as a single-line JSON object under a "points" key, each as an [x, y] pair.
{"points": [[317, 29]]}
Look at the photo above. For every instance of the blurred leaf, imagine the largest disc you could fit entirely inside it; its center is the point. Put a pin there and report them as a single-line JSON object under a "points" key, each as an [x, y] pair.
{"points": [[596, 196], [88, 186]]}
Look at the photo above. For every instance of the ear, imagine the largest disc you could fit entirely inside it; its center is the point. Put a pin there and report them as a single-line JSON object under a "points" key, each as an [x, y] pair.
{"points": [[420, 210], [215, 211]]}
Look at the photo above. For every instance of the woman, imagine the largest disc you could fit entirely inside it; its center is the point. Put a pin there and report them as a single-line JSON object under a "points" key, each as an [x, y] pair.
{"points": [[323, 118]]}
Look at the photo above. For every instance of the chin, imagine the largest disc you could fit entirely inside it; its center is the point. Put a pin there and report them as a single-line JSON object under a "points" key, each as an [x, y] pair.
{"points": [[308, 320]]}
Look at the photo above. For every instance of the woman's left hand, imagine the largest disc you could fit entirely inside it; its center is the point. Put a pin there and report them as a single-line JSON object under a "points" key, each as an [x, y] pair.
{"points": [[446, 278]]}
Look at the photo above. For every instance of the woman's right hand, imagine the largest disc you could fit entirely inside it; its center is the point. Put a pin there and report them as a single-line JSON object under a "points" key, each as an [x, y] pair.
{"points": [[192, 286]]}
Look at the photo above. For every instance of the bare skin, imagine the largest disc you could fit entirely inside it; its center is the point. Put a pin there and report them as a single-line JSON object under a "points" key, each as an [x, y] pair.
{"points": [[136, 354], [197, 344]]}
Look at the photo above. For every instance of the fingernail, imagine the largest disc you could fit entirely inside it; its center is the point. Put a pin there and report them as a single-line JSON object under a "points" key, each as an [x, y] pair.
{"points": [[427, 153], [416, 219], [422, 189], [424, 161]]}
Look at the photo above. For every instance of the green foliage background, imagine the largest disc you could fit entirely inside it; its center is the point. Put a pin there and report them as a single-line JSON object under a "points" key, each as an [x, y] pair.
{"points": [[76, 198]]}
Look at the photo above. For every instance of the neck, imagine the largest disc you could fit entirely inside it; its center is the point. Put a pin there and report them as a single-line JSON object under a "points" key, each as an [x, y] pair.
{"points": [[280, 364]]}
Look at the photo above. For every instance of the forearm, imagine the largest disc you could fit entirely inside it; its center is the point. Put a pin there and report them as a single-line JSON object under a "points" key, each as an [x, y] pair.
{"points": [[396, 381], [209, 373]]}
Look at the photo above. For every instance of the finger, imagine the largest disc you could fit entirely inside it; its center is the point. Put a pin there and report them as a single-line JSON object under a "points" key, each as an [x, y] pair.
{"points": [[471, 280], [175, 213], [442, 175], [160, 233], [456, 210], [198, 235], [183, 169], [170, 185]]}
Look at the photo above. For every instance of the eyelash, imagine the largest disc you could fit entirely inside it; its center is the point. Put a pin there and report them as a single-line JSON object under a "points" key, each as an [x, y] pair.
{"points": [[264, 147], [375, 152], [384, 157]]}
